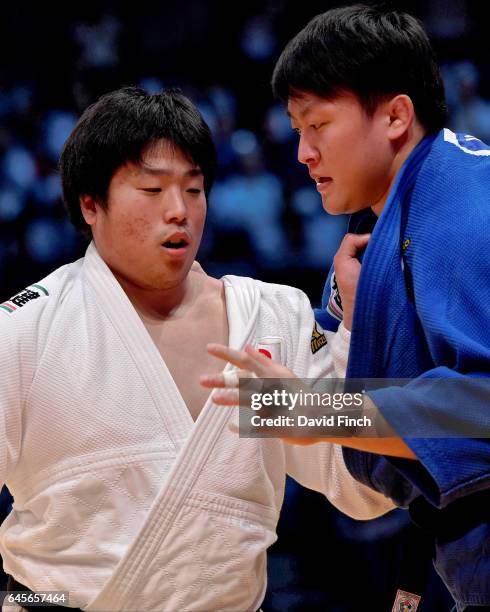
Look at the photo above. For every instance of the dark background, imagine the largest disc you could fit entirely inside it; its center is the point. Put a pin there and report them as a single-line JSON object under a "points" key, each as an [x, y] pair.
{"points": [[265, 217]]}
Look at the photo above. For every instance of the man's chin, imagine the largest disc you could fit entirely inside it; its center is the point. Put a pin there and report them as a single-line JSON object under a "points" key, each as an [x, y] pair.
{"points": [[174, 276], [331, 208], [342, 208]]}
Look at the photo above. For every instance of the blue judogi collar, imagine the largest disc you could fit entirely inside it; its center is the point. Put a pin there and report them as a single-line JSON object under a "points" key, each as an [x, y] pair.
{"points": [[330, 314], [381, 262]]}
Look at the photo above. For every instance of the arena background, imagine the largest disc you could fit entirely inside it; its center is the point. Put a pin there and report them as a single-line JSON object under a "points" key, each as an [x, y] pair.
{"points": [[265, 217]]}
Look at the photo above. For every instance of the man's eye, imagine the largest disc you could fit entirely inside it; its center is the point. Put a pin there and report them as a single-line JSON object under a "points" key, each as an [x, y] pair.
{"points": [[317, 126], [194, 190], [151, 189]]}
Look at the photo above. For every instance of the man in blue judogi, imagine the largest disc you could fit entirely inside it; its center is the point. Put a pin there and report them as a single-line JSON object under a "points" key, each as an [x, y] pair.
{"points": [[366, 98]]}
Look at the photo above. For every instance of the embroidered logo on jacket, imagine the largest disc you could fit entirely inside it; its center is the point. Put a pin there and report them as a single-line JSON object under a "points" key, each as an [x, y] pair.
{"points": [[24, 297], [334, 306], [405, 602], [318, 339], [467, 143]]}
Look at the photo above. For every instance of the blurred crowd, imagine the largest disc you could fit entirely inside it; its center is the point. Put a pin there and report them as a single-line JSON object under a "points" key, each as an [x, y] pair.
{"points": [[265, 217]]}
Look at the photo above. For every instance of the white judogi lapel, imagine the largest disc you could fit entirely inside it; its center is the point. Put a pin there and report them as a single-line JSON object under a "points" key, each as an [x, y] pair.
{"points": [[128, 587], [160, 385], [242, 300]]}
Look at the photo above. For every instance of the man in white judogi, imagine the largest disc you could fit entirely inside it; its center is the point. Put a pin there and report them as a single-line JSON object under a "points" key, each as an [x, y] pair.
{"points": [[130, 491]]}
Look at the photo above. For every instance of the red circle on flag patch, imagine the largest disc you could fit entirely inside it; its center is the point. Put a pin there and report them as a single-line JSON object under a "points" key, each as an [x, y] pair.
{"points": [[265, 352]]}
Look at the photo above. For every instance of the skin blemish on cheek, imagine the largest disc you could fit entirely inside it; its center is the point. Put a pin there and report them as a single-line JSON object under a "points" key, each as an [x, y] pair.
{"points": [[137, 227]]}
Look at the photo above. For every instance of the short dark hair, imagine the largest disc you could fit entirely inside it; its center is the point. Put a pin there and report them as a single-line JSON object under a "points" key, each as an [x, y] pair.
{"points": [[372, 52], [117, 129]]}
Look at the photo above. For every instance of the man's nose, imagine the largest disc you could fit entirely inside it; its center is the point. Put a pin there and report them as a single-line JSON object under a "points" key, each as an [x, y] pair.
{"points": [[307, 153], [175, 209]]}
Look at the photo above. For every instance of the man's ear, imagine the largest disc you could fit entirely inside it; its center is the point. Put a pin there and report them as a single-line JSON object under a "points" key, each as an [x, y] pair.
{"points": [[89, 209], [401, 115]]}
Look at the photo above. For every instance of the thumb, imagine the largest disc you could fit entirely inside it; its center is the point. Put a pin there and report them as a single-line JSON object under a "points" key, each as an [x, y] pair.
{"points": [[351, 243], [361, 240]]}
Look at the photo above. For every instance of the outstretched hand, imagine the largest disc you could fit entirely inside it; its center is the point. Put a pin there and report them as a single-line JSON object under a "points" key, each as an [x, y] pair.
{"points": [[250, 363]]}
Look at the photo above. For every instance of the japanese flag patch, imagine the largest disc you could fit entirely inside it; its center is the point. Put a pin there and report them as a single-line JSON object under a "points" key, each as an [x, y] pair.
{"points": [[271, 348]]}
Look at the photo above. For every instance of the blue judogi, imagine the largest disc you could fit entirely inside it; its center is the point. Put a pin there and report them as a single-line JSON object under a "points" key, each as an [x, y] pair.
{"points": [[423, 312]]}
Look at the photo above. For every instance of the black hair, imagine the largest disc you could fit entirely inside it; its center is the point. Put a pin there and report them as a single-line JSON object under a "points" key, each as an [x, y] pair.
{"points": [[117, 129], [372, 52]]}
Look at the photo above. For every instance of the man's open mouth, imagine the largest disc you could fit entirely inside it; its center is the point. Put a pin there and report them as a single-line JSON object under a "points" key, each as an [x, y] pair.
{"points": [[175, 244]]}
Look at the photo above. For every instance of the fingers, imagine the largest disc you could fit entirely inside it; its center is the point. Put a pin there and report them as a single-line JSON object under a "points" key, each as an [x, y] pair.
{"points": [[258, 356], [226, 397], [250, 359], [230, 378], [212, 381], [351, 243], [237, 358], [252, 365]]}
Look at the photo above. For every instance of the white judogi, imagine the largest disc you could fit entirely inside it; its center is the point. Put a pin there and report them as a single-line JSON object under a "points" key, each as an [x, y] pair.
{"points": [[120, 498]]}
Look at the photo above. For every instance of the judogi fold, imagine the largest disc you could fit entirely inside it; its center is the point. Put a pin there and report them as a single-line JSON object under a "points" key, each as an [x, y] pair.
{"points": [[120, 498]]}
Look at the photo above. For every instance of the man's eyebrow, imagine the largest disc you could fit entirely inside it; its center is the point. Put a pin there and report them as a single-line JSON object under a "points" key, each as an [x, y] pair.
{"points": [[302, 113], [154, 171], [194, 172]]}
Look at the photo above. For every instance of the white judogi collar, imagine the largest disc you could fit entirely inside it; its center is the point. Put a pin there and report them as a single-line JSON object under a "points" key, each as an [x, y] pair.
{"points": [[242, 304]]}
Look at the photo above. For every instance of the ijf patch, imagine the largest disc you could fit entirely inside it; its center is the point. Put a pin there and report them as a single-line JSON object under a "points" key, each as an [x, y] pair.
{"points": [[271, 348], [318, 339], [24, 297], [467, 143], [405, 602], [334, 306]]}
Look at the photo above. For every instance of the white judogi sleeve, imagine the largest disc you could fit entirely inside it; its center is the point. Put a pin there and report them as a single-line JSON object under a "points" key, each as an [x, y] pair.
{"points": [[321, 466], [17, 358], [9, 395]]}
